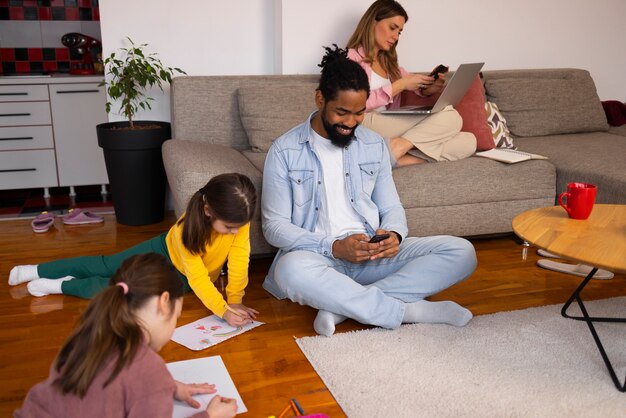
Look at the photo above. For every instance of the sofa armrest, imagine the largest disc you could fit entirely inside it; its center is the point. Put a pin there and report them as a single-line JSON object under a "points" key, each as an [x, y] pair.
{"points": [[189, 165]]}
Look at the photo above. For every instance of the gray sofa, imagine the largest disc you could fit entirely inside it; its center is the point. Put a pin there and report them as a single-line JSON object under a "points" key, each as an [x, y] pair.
{"points": [[226, 123]]}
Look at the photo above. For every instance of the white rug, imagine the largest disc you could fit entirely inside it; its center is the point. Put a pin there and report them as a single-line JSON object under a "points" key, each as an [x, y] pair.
{"points": [[528, 363]]}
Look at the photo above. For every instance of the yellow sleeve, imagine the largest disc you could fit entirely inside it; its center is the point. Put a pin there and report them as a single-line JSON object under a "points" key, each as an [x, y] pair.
{"points": [[193, 267], [238, 263]]}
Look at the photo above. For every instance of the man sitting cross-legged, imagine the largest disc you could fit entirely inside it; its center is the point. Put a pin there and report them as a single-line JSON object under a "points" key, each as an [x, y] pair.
{"points": [[327, 188]]}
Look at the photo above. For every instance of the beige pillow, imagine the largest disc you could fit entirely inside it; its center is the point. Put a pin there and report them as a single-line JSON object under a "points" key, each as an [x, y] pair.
{"points": [[267, 112], [545, 106]]}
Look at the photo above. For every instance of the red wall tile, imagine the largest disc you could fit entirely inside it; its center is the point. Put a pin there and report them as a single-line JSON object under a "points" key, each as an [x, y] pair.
{"points": [[16, 13], [63, 54], [71, 13], [45, 13], [50, 66], [35, 54], [22, 67], [8, 54]]}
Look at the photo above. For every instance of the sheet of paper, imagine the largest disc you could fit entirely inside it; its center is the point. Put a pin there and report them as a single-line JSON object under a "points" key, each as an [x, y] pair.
{"points": [[204, 370], [208, 331], [509, 155]]}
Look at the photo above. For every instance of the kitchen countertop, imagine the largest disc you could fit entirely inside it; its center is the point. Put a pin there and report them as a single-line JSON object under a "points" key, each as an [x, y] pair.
{"points": [[54, 78]]}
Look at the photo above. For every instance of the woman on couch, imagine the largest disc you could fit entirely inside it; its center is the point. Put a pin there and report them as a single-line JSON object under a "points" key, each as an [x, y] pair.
{"points": [[412, 139]]}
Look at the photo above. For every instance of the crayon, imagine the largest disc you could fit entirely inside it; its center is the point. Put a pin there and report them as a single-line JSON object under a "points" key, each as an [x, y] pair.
{"points": [[300, 410]]}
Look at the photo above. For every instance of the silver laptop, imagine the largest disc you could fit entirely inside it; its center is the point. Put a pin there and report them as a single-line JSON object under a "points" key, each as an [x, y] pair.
{"points": [[452, 93]]}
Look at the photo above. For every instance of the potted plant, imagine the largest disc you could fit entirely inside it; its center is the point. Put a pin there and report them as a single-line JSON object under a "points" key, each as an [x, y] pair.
{"points": [[132, 149]]}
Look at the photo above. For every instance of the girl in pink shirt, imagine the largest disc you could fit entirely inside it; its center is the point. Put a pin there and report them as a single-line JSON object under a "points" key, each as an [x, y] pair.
{"points": [[109, 366]]}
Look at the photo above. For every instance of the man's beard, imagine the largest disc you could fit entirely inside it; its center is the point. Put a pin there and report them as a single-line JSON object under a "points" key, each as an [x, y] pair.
{"points": [[335, 137]]}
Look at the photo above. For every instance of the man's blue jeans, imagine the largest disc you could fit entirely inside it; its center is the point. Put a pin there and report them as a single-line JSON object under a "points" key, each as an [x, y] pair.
{"points": [[374, 292]]}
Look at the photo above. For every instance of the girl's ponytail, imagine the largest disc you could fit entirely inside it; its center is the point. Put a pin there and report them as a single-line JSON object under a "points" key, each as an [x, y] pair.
{"points": [[109, 327], [196, 225], [229, 197]]}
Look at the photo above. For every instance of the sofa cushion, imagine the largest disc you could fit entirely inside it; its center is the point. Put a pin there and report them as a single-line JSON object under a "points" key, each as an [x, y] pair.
{"points": [[269, 111], [472, 110], [596, 157], [256, 158], [455, 182], [497, 124], [618, 130], [546, 106]]}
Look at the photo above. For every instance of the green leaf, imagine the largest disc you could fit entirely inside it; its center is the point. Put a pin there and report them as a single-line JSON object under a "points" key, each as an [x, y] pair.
{"points": [[131, 74]]}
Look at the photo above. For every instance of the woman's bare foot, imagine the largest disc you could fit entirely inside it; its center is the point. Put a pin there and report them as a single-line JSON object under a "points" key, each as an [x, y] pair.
{"points": [[399, 150], [408, 159], [399, 147]]}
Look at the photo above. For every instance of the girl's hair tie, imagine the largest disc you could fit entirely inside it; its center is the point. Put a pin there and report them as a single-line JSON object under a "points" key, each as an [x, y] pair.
{"points": [[124, 286]]}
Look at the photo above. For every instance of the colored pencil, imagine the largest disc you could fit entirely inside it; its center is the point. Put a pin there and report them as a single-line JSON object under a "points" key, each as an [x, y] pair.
{"points": [[300, 410], [287, 408], [294, 408]]}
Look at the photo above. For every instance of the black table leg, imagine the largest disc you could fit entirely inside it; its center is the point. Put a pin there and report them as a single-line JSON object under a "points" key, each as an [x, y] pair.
{"points": [[590, 320]]}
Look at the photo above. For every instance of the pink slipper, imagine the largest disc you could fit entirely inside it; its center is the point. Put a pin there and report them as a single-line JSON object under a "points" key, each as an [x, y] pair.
{"points": [[80, 217], [42, 222]]}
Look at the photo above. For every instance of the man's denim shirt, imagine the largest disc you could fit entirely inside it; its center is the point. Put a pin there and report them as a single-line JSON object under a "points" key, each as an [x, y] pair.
{"points": [[292, 190]]}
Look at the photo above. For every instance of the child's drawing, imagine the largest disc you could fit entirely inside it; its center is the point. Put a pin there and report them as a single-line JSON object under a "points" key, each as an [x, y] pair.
{"points": [[208, 331]]}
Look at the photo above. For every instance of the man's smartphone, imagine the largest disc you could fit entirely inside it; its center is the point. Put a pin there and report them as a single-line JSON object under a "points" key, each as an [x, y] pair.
{"points": [[440, 69], [378, 238]]}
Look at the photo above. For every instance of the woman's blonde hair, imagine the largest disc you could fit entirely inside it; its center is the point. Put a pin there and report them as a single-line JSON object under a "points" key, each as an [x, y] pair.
{"points": [[363, 35]]}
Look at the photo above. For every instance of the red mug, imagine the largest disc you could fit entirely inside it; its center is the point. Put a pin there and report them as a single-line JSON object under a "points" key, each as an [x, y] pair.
{"points": [[580, 198]]}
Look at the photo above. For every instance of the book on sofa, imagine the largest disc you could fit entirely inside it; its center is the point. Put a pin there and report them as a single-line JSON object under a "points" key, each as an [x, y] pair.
{"points": [[509, 156]]}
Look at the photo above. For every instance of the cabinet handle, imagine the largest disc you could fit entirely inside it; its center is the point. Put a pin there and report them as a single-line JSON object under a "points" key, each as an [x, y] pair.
{"points": [[14, 94], [77, 91], [17, 170], [14, 114], [17, 138]]}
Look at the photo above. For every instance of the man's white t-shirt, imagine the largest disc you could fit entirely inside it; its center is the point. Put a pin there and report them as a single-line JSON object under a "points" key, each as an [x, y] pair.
{"points": [[337, 217]]}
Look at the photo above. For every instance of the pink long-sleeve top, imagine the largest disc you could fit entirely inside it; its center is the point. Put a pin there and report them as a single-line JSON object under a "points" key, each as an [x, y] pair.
{"points": [[382, 96], [144, 388]]}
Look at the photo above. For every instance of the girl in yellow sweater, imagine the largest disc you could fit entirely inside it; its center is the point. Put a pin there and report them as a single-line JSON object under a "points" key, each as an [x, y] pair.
{"points": [[214, 229]]}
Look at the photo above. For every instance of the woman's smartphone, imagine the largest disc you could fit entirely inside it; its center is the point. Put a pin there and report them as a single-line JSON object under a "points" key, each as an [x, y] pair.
{"points": [[378, 238], [440, 69]]}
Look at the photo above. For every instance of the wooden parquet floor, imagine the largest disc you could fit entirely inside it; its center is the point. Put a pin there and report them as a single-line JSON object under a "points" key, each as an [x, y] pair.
{"points": [[266, 365]]}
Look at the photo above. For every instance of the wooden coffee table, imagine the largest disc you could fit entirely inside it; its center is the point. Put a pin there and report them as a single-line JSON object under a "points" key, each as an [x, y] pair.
{"points": [[599, 241]]}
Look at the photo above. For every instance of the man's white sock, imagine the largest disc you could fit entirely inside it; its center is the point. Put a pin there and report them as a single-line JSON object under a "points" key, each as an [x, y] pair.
{"points": [[23, 274], [43, 287], [446, 312], [325, 322]]}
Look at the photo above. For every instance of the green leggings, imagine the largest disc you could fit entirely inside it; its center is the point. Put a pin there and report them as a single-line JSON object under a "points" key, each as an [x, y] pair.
{"points": [[92, 273]]}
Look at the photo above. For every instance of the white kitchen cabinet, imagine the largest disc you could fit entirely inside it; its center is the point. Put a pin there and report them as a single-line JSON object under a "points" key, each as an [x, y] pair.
{"points": [[25, 113], [26, 137], [48, 132], [27, 157], [28, 169], [76, 110], [23, 93]]}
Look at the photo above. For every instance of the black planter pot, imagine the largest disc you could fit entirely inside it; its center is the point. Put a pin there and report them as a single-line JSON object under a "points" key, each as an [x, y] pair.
{"points": [[135, 168]]}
